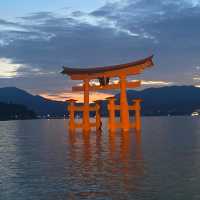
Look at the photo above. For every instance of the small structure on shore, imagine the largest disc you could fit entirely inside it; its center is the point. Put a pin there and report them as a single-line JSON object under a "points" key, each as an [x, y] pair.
{"points": [[103, 76]]}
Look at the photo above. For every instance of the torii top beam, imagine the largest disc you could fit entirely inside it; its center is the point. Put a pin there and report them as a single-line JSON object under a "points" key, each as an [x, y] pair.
{"points": [[131, 68]]}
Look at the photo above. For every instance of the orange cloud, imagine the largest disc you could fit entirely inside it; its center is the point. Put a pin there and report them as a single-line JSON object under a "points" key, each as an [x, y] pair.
{"points": [[63, 96]]}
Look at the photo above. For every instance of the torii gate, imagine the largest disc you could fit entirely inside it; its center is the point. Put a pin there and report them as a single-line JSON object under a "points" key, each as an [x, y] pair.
{"points": [[103, 75]]}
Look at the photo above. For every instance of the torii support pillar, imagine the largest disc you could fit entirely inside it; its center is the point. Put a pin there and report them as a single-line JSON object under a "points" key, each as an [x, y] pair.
{"points": [[98, 115], [137, 114], [124, 109], [71, 108], [111, 110], [86, 112]]}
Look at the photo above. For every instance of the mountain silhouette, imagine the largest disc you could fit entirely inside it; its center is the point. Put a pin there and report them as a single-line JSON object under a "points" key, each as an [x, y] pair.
{"points": [[14, 112], [38, 104], [171, 100]]}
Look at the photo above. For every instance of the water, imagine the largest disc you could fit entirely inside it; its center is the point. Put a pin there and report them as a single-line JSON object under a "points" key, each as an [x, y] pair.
{"points": [[40, 160]]}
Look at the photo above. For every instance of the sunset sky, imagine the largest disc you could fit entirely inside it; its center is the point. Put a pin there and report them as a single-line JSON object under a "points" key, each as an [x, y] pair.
{"points": [[38, 37]]}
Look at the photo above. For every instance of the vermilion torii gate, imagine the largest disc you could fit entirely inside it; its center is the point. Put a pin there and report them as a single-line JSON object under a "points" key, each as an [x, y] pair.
{"points": [[103, 75]]}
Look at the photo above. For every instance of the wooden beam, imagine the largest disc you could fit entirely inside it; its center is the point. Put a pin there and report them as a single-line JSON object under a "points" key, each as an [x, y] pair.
{"points": [[81, 108], [133, 84], [113, 73]]}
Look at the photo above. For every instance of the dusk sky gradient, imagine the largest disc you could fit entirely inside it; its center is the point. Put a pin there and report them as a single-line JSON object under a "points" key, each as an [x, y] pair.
{"points": [[38, 37]]}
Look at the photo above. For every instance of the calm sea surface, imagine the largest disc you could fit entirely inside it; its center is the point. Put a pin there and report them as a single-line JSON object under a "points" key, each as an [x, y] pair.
{"points": [[39, 160]]}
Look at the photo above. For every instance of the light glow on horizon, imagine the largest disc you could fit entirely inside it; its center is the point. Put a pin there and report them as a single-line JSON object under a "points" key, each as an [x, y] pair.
{"points": [[64, 96], [7, 68], [157, 83]]}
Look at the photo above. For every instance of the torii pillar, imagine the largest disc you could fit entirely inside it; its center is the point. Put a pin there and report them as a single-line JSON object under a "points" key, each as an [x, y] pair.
{"points": [[124, 109], [71, 108], [86, 112], [137, 114]]}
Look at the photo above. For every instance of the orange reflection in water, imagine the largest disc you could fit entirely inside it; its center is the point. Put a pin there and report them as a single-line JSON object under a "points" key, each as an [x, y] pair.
{"points": [[107, 161], [126, 153]]}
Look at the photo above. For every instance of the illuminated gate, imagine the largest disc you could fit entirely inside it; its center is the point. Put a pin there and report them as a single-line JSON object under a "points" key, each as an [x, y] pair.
{"points": [[103, 75]]}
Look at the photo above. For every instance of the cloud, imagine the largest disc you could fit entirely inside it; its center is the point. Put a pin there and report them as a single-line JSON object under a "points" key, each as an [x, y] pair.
{"points": [[118, 32], [63, 96], [156, 83], [50, 41], [196, 78], [8, 69], [197, 68]]}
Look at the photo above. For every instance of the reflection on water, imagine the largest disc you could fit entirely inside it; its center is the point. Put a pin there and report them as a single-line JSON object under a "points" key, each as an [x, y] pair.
{"points": [[40, 160], [107, 167]]}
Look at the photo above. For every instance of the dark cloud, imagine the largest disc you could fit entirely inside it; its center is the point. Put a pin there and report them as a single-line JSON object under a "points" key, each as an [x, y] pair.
{"points": [[116, 33], [7, 23], [38, 16]]}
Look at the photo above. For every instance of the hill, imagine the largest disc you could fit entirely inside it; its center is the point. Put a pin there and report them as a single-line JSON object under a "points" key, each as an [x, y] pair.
{"points": [[14, 112], [38, 104], [172, 100]]}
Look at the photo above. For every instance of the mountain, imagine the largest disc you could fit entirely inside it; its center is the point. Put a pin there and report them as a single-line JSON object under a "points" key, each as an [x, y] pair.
{"points": [[172, 100], [13, 112], [38, 104]]}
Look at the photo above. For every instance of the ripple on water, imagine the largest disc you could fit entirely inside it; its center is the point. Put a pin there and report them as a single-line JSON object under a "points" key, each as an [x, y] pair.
{"points": [[39, 159]]}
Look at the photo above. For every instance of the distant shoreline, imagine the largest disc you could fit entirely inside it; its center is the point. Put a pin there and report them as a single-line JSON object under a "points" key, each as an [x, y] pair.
{"points": [[146, 116]]}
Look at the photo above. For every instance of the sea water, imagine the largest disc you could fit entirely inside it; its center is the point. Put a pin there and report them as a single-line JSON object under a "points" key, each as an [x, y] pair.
{"points": [[40, 159]]}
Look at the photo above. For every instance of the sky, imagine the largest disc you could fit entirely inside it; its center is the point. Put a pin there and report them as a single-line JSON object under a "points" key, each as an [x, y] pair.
{"points": [[38, 37]]}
